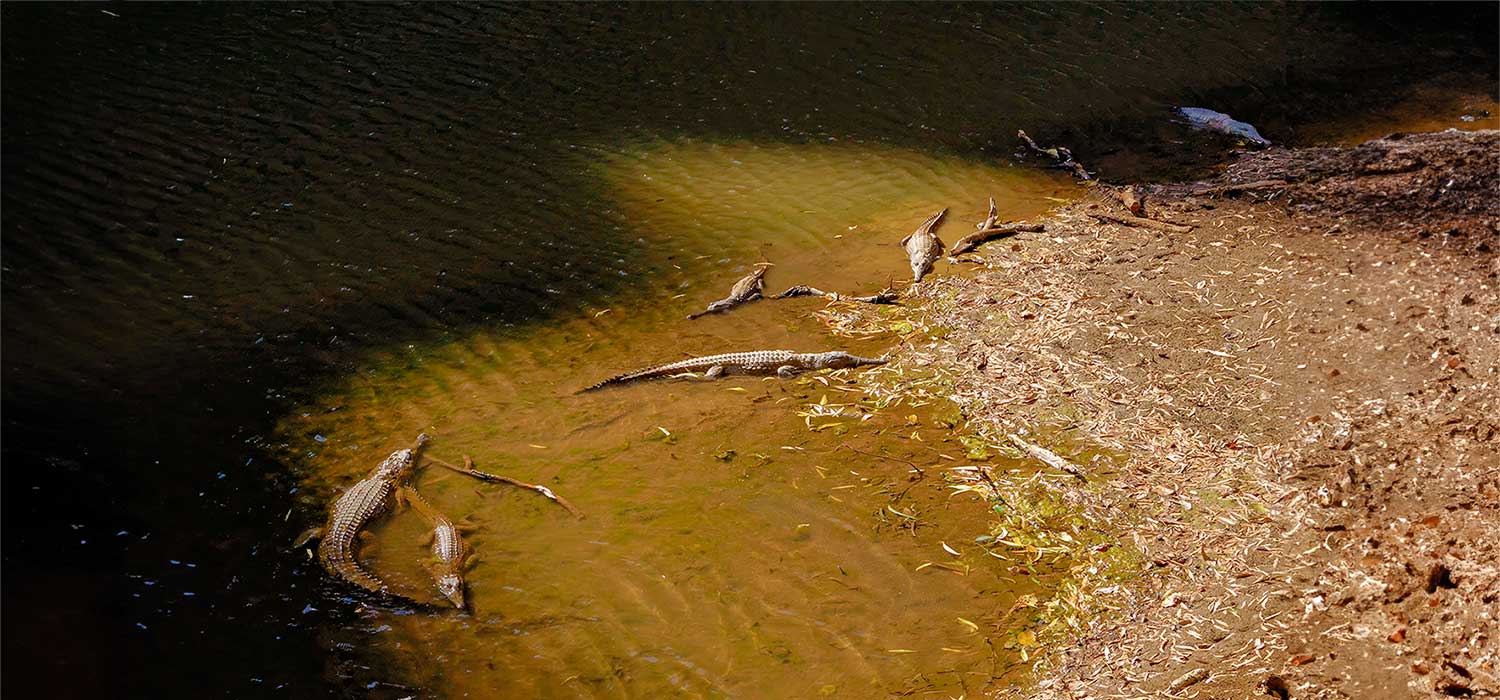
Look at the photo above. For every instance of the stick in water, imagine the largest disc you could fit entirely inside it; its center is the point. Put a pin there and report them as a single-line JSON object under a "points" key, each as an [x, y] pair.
{"points": [[468, 469], [1048, 456]]}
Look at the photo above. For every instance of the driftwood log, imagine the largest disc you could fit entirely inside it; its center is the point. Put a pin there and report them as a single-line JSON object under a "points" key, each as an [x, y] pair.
{"points": [[978, 238]]}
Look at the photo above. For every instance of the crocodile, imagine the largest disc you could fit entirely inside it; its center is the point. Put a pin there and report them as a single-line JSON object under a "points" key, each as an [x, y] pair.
{"points": [[923, 247], [1209, 120], [748, 289], [364, 502], [450, 556], [782, 363]]}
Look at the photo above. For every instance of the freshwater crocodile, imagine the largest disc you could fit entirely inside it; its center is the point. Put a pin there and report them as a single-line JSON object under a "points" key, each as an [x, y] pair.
{"points": [[748, 289], [362, 503], [450, 556], [1209, 120], [782, 363], [923, 247]]}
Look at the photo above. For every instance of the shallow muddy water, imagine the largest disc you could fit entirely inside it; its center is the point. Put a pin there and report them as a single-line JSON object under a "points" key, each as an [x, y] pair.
{"points": [[220, 218], [730, 549]]}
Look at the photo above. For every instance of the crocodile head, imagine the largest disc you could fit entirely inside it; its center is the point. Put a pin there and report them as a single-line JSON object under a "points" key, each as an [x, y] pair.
{"points": [[452, 586], [839, 359], [401, 462]]}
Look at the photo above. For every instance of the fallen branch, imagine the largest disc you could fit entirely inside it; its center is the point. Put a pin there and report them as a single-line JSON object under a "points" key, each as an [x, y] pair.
{"points": [[1047, 456], [469, 470], [1142, 222], [886, 297], [1242, 187], [1061, 154], [978, 238]]}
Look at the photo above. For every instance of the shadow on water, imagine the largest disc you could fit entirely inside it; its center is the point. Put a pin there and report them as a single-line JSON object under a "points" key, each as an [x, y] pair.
{"points": [[208, 208]]}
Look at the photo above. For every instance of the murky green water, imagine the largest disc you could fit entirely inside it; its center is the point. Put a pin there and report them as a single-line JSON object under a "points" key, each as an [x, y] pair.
{"points": [[448, 217]]}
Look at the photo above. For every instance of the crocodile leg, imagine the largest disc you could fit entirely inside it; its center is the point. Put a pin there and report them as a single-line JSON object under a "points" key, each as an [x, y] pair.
{"points": [[786, 371], [714, 372], [308, 535]]}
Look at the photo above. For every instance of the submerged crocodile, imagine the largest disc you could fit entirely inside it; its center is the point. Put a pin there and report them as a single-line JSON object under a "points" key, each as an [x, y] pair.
{"points": [[1200, 118], [782, 363], [748, 289], [450, 556], [923, 247], [362, 503]]}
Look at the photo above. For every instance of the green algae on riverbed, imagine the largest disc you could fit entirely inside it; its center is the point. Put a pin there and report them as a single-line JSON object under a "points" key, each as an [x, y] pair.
{"points": [[749, 536]]}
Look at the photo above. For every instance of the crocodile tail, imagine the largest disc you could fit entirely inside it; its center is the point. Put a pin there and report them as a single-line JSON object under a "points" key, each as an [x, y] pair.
{"points": [[648, 373], [617, 379], [350, 570]]}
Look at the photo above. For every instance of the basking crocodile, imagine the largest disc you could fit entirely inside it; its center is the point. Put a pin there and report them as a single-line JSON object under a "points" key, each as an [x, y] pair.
{"points": [[362, 503], [748, 289], [923, 247], [1209, 120], [450, 556], [782, 363]]}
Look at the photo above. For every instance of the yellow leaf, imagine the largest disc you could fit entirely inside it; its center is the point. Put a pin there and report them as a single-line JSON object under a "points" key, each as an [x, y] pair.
{"points": [[1026, 638]]}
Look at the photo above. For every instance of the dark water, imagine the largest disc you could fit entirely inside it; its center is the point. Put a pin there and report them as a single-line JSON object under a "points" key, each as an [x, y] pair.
{"points": [[209, 208]]}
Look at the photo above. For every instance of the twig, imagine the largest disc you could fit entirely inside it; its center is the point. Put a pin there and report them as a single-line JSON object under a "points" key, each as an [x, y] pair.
{"points": [[990, 233], [469, 470], [1140, 222], [852, 448], [1051, 458]]}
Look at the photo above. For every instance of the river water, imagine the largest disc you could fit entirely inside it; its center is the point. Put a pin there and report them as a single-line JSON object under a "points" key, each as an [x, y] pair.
{"points": [[250, 249]]}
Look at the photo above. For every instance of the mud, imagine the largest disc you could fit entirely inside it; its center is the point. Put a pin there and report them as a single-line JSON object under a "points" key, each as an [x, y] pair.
{"points": [[1298, 396]]}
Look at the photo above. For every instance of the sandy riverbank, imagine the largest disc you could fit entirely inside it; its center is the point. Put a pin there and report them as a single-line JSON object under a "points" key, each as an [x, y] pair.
{"points": [[1286, 414]]}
